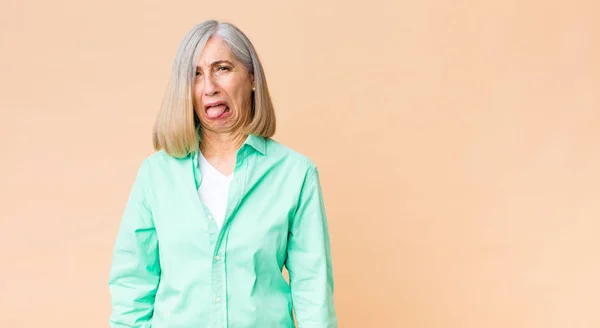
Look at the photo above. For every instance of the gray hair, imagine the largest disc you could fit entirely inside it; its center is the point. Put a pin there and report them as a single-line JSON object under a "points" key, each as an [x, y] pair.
{"points": [[177, 127]]}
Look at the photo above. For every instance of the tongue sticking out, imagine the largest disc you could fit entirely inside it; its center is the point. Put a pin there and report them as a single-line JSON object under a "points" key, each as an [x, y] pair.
{"points": [[216, 111]]}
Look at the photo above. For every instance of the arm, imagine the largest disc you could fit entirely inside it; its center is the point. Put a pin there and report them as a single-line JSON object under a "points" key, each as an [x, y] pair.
{"points": [[135, 269], [309, 259]]}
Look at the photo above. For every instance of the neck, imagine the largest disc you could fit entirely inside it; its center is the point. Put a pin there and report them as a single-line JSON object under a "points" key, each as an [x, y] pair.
{"points": [[221, 146]]}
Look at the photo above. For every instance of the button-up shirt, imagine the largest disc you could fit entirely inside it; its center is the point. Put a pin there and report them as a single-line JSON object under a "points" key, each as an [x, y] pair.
{"points": [[172, 267]]}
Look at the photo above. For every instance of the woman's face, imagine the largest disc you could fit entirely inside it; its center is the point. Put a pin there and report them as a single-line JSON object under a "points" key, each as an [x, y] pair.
{"points": [[222, 89]]}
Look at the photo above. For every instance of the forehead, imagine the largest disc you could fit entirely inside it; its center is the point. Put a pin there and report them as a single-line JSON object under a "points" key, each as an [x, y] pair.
{"points": [[215, 50]]}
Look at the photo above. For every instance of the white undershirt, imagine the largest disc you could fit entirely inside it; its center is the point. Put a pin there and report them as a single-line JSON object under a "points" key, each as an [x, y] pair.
{"points": [[214, 189]]}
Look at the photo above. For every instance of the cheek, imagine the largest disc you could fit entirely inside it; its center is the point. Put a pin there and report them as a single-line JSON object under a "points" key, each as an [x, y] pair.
{"points": [[197, 91], [197, 97], [242, 94]]}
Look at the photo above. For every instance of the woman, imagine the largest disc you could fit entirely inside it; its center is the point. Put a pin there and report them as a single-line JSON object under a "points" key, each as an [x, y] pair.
{"points": [[220, 207]]}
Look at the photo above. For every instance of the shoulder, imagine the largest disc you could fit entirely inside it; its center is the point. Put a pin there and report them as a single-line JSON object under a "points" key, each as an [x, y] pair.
{"points": [[162, 158], [160, 161], [293, 157]]}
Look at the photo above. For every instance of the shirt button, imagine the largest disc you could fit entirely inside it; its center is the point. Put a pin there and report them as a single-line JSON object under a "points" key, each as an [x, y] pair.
{"points": [[210, 217], [217, 257], [218, 300]]}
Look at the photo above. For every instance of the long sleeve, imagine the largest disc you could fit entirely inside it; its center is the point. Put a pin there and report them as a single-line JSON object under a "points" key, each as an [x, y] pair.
{"points": [[135, 269], [309, 259]]}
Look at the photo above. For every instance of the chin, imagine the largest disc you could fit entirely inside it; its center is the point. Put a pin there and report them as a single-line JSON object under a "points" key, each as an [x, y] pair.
{"points": [[220, 126]]}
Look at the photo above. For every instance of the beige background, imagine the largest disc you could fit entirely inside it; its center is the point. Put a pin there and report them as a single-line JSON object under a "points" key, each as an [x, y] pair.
{"points": [[457, 140]]}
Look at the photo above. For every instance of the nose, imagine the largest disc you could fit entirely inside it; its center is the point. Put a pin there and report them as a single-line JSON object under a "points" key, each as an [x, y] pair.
{"points": [[210, 86]]}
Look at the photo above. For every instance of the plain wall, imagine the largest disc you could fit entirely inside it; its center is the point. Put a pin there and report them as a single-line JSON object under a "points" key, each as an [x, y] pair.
{"points": [[458, 144]]}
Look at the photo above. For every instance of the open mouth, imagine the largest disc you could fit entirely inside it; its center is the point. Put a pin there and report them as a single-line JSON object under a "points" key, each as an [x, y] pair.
{"points": [[216, 109]]}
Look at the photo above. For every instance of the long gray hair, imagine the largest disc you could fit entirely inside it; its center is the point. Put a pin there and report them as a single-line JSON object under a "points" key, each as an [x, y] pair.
{"points": [[176, 129]]}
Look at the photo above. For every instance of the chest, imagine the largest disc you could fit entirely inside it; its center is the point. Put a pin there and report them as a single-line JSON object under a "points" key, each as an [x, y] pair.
{"points": [[255, 216]]}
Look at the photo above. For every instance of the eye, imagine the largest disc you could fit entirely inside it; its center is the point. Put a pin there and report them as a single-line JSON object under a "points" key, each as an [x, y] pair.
{"points": [[197, 73], [223, 68]]}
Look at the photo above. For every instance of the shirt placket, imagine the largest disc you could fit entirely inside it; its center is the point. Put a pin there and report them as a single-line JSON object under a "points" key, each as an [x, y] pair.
{"points": [[218, 277], [218, 240], [219, 291]]}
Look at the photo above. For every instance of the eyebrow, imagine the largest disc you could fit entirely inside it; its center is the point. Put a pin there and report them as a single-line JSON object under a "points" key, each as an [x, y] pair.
{"points": [[218, 62]]}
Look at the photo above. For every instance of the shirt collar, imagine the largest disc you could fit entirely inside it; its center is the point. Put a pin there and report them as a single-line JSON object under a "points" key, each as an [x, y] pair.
{"points": [[258, 143]]}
